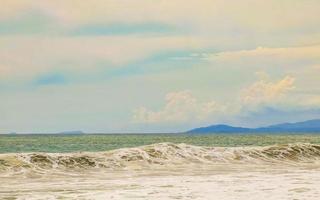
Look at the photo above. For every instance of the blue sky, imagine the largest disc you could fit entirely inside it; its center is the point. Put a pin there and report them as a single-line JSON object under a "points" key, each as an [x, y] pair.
{"points": [[160, 66]]}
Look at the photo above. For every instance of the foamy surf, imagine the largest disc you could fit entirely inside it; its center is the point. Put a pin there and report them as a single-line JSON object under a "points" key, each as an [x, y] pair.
{"points": [[157, 155], [165, 171]]}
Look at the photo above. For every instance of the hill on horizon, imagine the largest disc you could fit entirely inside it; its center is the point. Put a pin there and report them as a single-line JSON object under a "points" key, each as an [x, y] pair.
{"points": [[310, 126]]}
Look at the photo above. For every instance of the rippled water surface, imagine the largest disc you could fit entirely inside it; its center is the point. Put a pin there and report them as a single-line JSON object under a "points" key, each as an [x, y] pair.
{"points": [[71, 143]]}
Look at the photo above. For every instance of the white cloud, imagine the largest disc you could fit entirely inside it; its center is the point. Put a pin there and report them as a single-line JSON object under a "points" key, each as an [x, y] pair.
{"points": [[295, 53], [313, 101], [25, 57], [4, 71], [268, 15], [180, 107], [183, 106], [264, 91], [316, 67]]}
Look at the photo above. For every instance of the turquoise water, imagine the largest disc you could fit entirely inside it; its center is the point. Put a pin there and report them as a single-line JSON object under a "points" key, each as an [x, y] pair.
{"points": [[93, 143]]}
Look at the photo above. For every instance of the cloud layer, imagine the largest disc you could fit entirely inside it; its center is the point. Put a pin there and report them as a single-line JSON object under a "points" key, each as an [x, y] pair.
{"points": [[80, 64]]}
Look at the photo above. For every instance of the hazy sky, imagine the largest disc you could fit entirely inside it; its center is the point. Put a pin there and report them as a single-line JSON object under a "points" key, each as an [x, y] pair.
{"points": [[157, 66]]}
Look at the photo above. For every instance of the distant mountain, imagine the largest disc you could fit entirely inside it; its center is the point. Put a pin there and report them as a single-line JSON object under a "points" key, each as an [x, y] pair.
{"points": [[298, 127], [220, 128], [306, 126], [71, 132]]}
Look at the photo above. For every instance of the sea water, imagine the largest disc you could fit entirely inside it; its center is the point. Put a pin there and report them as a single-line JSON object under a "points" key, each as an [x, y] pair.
{"points": [[104, 142]]}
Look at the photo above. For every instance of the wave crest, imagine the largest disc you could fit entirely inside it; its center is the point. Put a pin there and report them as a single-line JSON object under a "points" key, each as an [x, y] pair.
{"points": [[161, 154]]}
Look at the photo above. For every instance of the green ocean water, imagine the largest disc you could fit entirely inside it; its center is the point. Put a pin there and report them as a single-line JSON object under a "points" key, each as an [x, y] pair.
{"points": [[104, 142]]}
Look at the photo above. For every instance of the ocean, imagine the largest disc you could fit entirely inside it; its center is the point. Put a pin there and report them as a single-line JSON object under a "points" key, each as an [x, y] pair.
{"points": [[160, 166], [56, 143]]}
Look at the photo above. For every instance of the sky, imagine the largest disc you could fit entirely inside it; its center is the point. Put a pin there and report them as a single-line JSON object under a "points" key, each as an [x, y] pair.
{"points": [[119, 66]]}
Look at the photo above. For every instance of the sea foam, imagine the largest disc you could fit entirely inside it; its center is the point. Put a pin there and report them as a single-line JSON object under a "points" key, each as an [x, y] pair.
{"points": [[161, 154]]}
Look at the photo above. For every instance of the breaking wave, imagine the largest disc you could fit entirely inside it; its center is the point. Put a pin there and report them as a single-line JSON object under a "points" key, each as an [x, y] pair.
{"points": [[162, 154]]}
